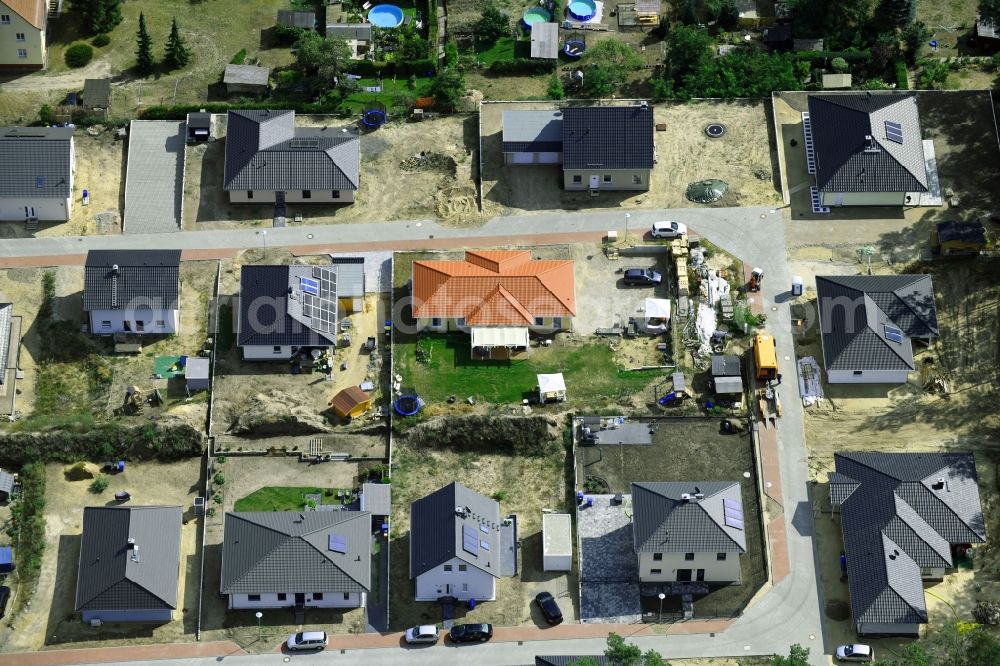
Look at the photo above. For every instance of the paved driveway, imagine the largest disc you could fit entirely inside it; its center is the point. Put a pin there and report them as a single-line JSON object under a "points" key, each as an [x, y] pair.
{"points": [[609, 571]]}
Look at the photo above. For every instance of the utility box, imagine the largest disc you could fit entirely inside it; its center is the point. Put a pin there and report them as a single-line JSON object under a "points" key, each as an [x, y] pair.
{"points": [[557, 542], [796, 285]]}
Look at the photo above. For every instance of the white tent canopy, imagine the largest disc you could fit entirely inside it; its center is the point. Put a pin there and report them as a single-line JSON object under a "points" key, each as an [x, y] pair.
{"points": [[500, 336], [552, 387], [657, 308]]}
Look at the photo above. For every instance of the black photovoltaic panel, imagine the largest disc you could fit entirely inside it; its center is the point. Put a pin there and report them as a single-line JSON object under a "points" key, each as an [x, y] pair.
{"points": [[321, 305], [893, 131], [470, 542]]}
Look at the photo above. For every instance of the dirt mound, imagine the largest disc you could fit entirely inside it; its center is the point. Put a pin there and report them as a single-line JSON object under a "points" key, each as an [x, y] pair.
{"points": [[429, 160], [271, 413]]}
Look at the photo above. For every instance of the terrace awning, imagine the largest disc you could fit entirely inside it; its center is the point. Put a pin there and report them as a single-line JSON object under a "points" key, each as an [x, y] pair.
{"points": [[500, 336]]}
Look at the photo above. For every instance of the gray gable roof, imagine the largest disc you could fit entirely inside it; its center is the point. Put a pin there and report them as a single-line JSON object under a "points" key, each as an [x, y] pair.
{"points": [[902, 512], [270, 316], [113, 576], [294, 19], [664, 522], [145, 279], [436, 529], [847, 161], [36, 162], [361, 32], [289, 551], [97, 93], [854, 311], [532, 131], [608, 137], [266, 152], [246, 75]]}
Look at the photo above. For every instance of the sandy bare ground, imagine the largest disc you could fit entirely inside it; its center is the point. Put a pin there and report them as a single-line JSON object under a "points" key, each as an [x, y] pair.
{"points": [[742, 158], [49, 621], [97, 69]]}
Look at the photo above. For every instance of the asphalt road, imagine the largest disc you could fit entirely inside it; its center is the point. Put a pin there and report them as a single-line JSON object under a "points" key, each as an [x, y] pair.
{"points": [[788, 613]]}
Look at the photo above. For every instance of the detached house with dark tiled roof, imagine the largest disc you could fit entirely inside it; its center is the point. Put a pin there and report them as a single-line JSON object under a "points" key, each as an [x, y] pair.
{"points": [[270, 160], [869, 150], [285, 310], [496, 296], [868, 324], [599, 147], [36, 173], [905, 518], [132, 291], [690, 531], [129, 563], [459, 546], [292, 559]]}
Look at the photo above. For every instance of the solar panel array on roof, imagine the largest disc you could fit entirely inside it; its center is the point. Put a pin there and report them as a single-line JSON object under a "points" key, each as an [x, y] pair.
{"points": [[733, 514], [338, 543], [485, 545], [893, 131], [894, 334], [470, 542], [309, 286], [484, 529]]}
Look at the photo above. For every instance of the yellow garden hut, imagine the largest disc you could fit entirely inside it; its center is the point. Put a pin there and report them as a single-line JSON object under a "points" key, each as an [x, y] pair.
{"points": [[351, 402]]}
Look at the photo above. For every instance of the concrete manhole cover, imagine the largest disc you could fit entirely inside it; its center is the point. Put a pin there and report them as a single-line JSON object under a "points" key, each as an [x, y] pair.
{"points": [[838, 610], [715, 130]]}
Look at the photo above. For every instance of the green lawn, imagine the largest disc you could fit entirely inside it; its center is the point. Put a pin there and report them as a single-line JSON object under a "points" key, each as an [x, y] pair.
{"points": [[589, 370], [359, 100], [276, 498], [506, 48]]}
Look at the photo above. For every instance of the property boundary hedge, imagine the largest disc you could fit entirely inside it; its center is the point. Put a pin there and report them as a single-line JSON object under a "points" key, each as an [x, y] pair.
{"points": [[108, 442], [846, 55], [370, 68], [902, 78], [28, 527], [523, 66]]}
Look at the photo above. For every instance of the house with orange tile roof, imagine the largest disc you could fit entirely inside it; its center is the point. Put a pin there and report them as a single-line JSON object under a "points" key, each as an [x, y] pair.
{"points": [[497, 296], [22, 34]]}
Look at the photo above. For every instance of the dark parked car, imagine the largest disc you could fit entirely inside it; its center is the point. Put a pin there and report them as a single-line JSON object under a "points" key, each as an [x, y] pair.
{"points": [[642, 276], [550, 609], [468, 633], [4, 597]]}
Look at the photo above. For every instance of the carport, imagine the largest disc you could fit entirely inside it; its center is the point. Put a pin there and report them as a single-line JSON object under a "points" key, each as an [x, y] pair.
{"points": [[154, 177]]}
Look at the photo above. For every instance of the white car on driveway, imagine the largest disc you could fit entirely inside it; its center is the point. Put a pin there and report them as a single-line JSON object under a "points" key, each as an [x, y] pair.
{"points": [[667, 229], [856, 652], [425, 633]]}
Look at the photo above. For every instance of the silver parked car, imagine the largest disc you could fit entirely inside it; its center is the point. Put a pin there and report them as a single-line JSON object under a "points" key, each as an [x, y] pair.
{"points": [[856, 652], [307, 640], [425, 633]]}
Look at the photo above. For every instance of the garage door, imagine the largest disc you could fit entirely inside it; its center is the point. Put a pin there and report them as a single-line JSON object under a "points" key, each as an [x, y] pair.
{"points": [[522, 158], [548, 158]]}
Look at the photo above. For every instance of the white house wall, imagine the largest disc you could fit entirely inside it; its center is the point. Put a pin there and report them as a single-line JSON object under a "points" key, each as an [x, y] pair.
{"points": [[716, 571], [106, 322], [267, 352], [867, 376], [292, 196], [271, 600], [464, 585], [47, 209]]}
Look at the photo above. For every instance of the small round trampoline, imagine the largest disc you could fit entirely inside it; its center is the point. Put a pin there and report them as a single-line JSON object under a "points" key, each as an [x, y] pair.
{"points": [[385, 16], [574, 48], [535, 15], [715, 130], [373, 118], [408, 405], [582, 10]]}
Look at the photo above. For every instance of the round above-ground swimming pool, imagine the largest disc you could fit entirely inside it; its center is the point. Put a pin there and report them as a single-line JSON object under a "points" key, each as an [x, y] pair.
{"points": [[574, 48], [582, 10], [373, 118], [385, 16], [535, 15]]}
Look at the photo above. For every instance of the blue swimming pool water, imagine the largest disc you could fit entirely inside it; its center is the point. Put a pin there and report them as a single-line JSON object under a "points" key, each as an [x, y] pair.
{"points": [[385, 16]]}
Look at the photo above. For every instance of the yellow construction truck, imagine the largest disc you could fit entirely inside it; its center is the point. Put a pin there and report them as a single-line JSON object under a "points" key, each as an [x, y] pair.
{"points": [[765, 358]]}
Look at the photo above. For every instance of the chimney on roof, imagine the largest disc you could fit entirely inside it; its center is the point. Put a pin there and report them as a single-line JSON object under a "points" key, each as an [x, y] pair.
{"points": [[685, 497], [114, 269], [939, 484], [462, 511]]}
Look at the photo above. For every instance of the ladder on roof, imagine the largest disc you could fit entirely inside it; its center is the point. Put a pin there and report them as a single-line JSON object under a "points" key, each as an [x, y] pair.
{"points": [[808, 134], [114, 291], [817, 205]]}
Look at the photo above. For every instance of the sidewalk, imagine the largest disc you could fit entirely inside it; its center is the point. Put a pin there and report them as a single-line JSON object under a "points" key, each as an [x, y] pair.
{"points": [[136, 653]]}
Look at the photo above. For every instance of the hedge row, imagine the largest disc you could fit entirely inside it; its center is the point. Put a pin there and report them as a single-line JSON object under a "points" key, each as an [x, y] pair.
{"points": [[849, 56], [368, 68], [530, 436], [180, 111], [523, 66], [27, 516], [432, 33], [902, 80], [107, 442]]}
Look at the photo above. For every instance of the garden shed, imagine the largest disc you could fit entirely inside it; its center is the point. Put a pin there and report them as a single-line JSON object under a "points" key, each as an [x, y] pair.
{"points": [[557, 542], [545, 41], [246, 79], [196, 374], [96, 93], [351, 402]]}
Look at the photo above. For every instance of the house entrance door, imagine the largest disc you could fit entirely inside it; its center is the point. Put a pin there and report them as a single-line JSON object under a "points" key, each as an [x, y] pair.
{"points": [[684, 575], [300, 598]]}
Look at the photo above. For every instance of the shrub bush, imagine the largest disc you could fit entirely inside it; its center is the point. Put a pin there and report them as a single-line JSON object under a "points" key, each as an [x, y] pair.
{"points": [[99, 485], [78, 54], [219, 479], [239, 58], [27, 528], [101, 40], [902, 80], [522, 66], [839, 65], [106, 442]]}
